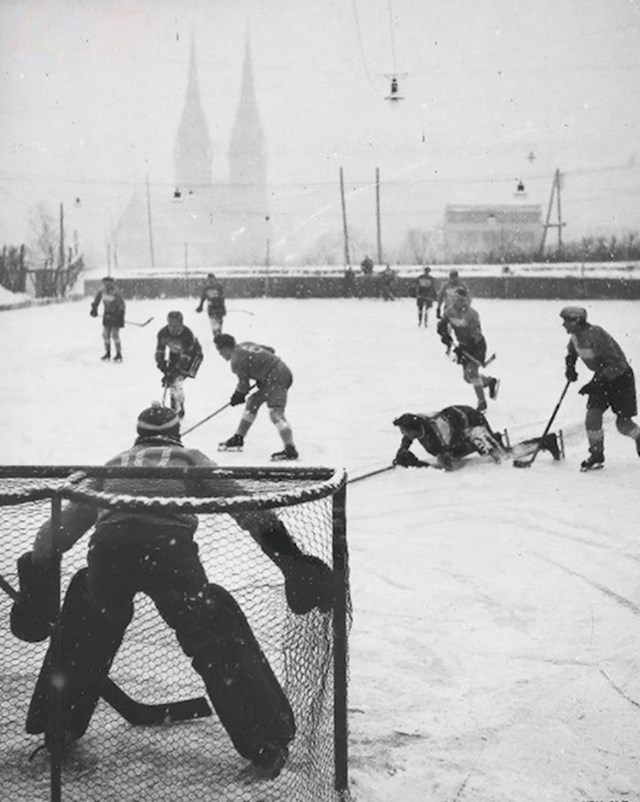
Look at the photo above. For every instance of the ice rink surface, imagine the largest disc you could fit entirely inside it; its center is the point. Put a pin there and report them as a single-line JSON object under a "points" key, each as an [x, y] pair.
{"points": [[494, 651]]}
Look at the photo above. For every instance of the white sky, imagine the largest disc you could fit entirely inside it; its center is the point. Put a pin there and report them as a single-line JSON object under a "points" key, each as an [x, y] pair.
{"points": [[91, 94]]}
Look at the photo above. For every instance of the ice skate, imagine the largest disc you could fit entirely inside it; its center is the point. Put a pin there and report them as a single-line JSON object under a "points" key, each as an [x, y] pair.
{"points": [[234, 443], [494, 386], [117, 358], [106, 357], [289, 452], [481, 406], [593, 462]]}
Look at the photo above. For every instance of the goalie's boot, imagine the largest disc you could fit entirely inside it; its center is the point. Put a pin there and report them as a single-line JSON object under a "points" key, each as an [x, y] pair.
{"points": [[494, 386], [289, 452], [271, 759], [234, 443], [593, 462], [550, 443]]}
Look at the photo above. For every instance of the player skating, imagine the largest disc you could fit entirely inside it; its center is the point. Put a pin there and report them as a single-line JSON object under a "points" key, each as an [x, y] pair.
{"points": [[178, 356], [456, 432], [426, 293], [450, 291], [213, 295], [113, 309], [463, 321], [136, 550], [612, 385], [258, 364]]}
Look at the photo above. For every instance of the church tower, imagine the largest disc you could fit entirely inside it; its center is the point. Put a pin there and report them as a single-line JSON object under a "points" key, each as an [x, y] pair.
{"points": [[192, 151], [249, 230], [247, 149]]}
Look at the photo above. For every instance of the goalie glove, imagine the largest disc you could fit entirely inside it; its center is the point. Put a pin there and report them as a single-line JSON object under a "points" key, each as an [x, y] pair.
{"points": [[32, 614], [308, 581]]}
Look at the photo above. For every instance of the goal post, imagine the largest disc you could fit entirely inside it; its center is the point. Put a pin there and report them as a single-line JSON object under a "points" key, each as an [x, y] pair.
{"points": [[153, 735]]}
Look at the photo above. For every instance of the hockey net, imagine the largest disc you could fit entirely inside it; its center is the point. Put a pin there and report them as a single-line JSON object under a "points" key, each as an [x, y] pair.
{"points": [[190, 760]]}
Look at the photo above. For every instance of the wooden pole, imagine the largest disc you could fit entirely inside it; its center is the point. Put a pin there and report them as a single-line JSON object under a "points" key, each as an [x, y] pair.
{"points": [[153, 261], [347, 257], [379, 235]]}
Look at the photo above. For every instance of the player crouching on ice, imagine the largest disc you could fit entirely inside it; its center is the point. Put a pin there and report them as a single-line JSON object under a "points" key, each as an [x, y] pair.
{"points": [[152, 551], [456, 432], [258, 363], [178, 356]]}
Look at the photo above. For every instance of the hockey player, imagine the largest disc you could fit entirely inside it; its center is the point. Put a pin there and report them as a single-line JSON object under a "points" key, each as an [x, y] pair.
{"points": [[387, 280], [178, 356], [471, 350], [426, 294], [612, 384], [213, 295], [456, 432], [113, 309], [449, 292], [258, 363], [152, 550]]}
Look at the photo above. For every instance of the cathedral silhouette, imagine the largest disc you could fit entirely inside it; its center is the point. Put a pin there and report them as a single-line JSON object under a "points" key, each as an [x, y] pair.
{"points": [[200, 223]]}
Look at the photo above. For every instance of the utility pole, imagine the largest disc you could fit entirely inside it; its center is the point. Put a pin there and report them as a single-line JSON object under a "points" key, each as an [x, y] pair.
{"points": [[153, 261], [555, 192], [61, 253], [347, 258], [378, 215]]}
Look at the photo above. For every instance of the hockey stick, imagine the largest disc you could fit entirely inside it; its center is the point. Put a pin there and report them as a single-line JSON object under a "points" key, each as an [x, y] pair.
{"points": [[141, 714], [133, 323], [212, 415], [371, 473], [242, 312], [477, 361], [527, 463]]}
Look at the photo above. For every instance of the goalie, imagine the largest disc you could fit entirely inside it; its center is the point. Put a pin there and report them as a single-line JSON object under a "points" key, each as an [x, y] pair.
{"points": [[456, 432], [152, 551]]}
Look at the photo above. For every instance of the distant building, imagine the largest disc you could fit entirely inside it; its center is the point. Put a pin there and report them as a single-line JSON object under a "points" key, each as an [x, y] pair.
{"points": [[201, 222], [476, 232]]}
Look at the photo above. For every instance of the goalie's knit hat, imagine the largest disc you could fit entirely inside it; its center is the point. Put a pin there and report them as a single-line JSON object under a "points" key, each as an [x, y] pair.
{"points": [[157, 420]]}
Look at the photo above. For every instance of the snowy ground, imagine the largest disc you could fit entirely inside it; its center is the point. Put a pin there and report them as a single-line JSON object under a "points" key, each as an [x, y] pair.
{"points": [[493, 650]]}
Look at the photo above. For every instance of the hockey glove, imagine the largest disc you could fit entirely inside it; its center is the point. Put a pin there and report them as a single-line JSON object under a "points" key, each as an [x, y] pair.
{"points": [[32, 613], [93, 312], [199, 309], [237, 398], [570, 373], [406, 459]]}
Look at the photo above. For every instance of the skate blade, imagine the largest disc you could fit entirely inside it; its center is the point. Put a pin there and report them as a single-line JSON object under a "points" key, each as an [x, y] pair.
{"points": [[283, 459], [222, 447], [592, 468]]}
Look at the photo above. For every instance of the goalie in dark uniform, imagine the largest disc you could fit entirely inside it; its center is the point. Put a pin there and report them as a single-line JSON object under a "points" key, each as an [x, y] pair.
{"points": [[178, 356], [153, 551], [456, 432]]}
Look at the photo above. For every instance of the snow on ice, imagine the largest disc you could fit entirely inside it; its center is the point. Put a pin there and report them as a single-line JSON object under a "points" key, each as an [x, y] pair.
{"points": [[493, 651]]}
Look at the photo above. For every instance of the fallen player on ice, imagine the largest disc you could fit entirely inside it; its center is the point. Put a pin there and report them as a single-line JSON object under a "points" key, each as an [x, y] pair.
{"points": [[456, 432]]}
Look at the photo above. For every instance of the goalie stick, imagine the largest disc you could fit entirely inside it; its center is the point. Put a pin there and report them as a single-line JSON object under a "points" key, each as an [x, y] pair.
{"points": [[139, 713]]}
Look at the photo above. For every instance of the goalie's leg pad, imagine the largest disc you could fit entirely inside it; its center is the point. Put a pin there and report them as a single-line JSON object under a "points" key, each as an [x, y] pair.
{"points": [[32, 613], [87, 644], [243, 689]]}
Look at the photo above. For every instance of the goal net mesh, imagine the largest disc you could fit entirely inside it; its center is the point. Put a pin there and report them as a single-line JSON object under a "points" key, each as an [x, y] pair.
{"points": [[192, 760]]}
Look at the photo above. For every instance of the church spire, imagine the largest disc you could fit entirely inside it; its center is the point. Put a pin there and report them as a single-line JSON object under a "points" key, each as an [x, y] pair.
{"points": [[247, 150], [192, 151]]}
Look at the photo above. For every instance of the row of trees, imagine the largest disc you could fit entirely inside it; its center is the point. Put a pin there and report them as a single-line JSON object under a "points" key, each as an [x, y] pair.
{"points": [[425, 247], [45, 266]]}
